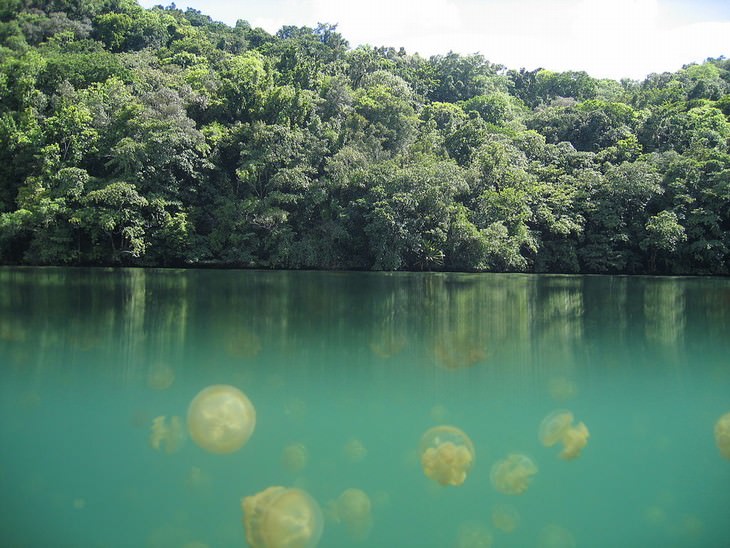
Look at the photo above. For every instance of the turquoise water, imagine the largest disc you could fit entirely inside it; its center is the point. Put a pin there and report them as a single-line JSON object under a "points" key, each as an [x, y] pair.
{"points": [[356, 367]]}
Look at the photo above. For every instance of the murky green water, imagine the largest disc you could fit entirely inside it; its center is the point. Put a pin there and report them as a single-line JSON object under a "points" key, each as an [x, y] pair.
{"points": [[355, 368]]}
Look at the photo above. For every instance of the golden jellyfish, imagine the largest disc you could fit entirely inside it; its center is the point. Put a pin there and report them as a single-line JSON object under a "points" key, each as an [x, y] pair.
{"points": [[562, 388], [558, 427], [354, 510], [166, 436], [294, 457], [555, 536], [447, 455], [722, 435], [221, 419], [282, 518], [505, 518], [243, 344], [160, 376], [473, 535], [387, 343], [512, 475], [355, 450], [459, 351]]}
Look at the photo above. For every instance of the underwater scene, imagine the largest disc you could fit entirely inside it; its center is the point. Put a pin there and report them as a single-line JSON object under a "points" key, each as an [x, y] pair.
{"points": [[209, 408]]}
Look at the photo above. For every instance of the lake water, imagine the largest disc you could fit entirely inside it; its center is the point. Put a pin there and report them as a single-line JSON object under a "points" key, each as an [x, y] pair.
{"points": [[349, 370]]}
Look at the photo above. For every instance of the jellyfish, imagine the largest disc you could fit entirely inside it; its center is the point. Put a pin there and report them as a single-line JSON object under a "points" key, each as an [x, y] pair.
{"points": [[555, 536], [513, 474], [160, 376], [562, 388], [198, 480], [722, 435], [165, 436], [459, 351], [354, 510], [221, 419], [505, 517], [282, 518], [447, 455], [294, 457], [243, 344], [387, 343], [355, 450], [558, 427], [473, 535]]}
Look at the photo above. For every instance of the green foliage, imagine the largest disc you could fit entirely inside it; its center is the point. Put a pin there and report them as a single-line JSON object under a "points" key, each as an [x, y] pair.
{"points": [[161, 137]]}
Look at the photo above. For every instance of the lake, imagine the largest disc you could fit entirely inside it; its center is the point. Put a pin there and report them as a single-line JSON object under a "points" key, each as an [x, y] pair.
{"points": [[346, 372]]}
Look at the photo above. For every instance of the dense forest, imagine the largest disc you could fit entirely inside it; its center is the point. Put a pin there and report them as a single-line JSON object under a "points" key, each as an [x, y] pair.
{"points": [[163, 138]]}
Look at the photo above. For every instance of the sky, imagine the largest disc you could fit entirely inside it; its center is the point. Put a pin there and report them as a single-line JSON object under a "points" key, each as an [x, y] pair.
{"points": [[606, 38]]}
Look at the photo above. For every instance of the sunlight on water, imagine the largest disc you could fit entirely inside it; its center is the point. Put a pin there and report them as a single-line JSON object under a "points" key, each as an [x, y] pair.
{"points": [[345, 372]]}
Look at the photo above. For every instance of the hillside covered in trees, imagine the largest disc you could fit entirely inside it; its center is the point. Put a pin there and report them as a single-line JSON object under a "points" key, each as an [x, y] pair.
{"points": [[160, 137]]}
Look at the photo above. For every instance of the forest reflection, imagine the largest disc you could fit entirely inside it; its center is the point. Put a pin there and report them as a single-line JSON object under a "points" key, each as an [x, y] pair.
{"points": [[131, 319]]}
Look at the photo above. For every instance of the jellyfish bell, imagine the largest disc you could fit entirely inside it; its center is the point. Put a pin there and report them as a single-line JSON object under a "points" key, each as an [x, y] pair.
{"points": [[574, 440], [353, 509], [243, 344], [562, 388], [554, 426], [294, 457], [506, 518], [160, 376], [513, 474], [555, 536], [221, 419], [279, 517], [473, 535], [447, 455], [722, 435], [355, 450]]}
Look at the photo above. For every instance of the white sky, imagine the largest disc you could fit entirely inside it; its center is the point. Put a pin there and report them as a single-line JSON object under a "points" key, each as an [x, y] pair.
{"points": [[606, 38]]}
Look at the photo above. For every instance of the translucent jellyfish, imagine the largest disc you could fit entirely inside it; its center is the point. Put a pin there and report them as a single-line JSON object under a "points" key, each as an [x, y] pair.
{"points": [[459, 351], [354, 510], [722, 435], [439, 413], [558, 427], [221, 419], [473, 535], [447, 455], [562, 388], [294, 457], [505, 517], [282, 518], [167, 436], [513, 474], [196, 479], [555, 536], [387, 343], [355, 450], [160, 376], [243, 344]]}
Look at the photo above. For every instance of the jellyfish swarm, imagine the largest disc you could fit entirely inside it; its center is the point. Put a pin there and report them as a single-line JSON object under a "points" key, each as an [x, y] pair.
{"points": [[221, 419], [513, 474], [558, 427], [167, 437], [722, 435], [282, 518], [447, 455]]}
